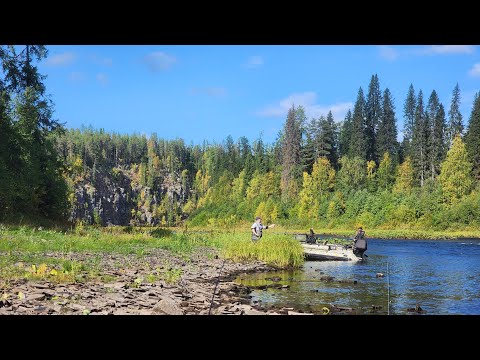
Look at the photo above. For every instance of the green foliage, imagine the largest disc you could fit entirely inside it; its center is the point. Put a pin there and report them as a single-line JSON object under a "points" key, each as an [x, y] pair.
{"points": [[31, 180], [298, 179], [352, 174], [472, 137]]}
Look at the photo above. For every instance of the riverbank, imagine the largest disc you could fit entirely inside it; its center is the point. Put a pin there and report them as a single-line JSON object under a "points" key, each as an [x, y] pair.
{"points": [[135, 286], [131, 271]]}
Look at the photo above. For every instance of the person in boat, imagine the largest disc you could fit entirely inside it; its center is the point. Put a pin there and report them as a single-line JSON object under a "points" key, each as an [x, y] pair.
{"points": [[359, 235], [311, 237], [257, 228], [359, 242]]}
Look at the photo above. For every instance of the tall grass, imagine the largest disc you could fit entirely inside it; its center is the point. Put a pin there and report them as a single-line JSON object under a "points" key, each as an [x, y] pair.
{"points": [[276, 249]]}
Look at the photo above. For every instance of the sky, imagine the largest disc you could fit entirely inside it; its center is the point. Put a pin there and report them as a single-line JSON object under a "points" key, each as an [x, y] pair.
{"points": [[207, 92]]}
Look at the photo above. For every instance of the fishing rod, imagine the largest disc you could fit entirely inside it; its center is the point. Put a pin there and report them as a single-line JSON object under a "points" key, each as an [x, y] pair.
{"points": [[215, 290], [388, 290]]}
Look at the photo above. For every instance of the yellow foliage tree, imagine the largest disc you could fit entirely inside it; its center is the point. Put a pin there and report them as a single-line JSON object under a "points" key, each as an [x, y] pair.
{"points": [[405, 178], [308, 204], [385, 173], [315, 187], [455, 175]]}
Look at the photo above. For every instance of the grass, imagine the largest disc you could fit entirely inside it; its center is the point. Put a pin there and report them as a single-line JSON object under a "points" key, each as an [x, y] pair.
{"points": [[275, 249], [44, 254]]}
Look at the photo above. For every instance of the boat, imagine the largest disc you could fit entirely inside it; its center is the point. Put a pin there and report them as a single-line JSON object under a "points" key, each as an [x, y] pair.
{"points": [[317, 249]]}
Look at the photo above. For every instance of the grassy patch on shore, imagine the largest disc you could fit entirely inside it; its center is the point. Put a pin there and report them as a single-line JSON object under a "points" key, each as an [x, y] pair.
{"points": [[44, 254]]}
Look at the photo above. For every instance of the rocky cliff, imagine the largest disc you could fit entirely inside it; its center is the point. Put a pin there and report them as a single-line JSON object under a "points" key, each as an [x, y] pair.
{"points": [[117, 198]]}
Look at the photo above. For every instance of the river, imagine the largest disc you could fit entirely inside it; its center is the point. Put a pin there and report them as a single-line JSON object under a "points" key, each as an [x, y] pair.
{"points": [[442, 277]]}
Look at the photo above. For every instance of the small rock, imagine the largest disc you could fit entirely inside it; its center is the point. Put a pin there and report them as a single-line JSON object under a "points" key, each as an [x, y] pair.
{"points": [[36, 296], [40, 308], [297, 313], [40, 286], [76, 306], [167, 306], [117, 285]]}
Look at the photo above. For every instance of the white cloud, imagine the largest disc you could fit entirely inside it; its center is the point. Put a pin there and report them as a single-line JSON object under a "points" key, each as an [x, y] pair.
{"points": [[210, 91], [475, 70], [308, 101], [448, 49], [77, 76], [158, 61], [61, 59], [107, 61], [254, 62], [388, 53], [102, 78], [104, 61]]}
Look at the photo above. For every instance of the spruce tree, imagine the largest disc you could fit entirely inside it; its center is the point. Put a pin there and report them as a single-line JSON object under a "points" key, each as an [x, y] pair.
{"points": [[373, 114], [387, 130], [409, 110], [345, 135], [326, 139], [420, 136], [472, 137], [455, 125], [358, 141]]}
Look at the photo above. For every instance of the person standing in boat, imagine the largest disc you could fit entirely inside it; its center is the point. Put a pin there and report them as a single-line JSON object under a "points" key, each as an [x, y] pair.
{"points": [[257, 228], [359, 242], [359, 235]]}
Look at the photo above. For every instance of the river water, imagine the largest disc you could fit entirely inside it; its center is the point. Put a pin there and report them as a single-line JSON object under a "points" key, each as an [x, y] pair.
{"points": [[442, 277]]}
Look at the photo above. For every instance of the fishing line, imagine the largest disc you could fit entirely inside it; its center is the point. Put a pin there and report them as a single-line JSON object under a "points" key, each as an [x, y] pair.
{"points": [[388, 290], [215, 290]]}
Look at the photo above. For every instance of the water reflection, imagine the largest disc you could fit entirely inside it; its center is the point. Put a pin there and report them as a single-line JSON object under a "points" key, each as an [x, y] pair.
{"points": [[443, 277]]}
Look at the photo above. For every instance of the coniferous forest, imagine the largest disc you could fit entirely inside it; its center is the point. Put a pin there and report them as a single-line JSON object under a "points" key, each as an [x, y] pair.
{"points": [[320, 172]]}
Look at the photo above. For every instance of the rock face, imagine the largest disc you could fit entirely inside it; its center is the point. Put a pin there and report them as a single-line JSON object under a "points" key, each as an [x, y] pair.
{"points": [[115, 198]]}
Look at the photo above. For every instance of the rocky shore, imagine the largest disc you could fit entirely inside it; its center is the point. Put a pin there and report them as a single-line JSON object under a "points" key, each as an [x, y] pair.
{"points": [[129, 292]]}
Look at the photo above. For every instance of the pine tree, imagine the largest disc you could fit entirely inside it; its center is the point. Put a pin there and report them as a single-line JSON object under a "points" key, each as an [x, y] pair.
{"points": [[358, 142], [456, 177], [455, 125], [345, 135], [409, 111], [472, 137], [373, 114], [387, 129]]}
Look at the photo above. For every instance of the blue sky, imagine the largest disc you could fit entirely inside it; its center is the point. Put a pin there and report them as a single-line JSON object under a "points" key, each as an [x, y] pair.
{"points": [[209, 92]]}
